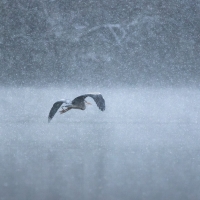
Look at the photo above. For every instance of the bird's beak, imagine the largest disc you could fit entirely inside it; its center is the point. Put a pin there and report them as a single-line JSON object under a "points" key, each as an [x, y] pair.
{"points": [[88, 103]]}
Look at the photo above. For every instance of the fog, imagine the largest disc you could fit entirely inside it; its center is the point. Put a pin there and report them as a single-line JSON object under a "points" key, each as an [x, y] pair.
{"points": [[143, 56], [145, 145], [134, 42]]}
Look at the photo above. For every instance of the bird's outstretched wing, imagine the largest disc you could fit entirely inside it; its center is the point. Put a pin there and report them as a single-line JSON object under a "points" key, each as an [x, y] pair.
{"points": [[54, 109], [98, 98]]}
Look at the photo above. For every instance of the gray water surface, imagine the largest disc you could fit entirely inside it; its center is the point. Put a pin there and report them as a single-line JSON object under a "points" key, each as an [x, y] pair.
{"points": [[146, 145]]}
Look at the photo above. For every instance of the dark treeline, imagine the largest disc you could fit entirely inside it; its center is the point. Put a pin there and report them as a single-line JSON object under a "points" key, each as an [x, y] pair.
{"points": [[117, 41]]}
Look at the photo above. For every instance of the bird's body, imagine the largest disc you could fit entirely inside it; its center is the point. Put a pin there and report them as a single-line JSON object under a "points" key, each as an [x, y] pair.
{"points": [[78, 103]]}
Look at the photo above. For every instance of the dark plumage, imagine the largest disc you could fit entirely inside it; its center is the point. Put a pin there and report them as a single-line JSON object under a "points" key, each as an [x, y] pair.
{"points": [[78, 103]]}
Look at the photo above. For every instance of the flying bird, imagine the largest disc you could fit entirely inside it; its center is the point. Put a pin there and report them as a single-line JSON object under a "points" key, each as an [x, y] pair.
{"points": [[78, 103]]}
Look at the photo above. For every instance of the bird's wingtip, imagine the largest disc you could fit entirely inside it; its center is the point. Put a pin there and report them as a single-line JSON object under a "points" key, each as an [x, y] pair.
{"points": [[49, 119]]}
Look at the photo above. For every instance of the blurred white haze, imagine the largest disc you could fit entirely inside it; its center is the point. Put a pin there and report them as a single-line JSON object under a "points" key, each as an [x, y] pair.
{"points": [[143, 56], [145, 145]]}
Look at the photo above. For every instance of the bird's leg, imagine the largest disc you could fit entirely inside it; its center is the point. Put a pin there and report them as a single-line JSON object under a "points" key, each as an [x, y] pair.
{"points": [[88, 102], [63, 110]]}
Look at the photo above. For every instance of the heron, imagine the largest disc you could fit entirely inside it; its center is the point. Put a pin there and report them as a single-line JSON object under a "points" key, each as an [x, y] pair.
{"points": [[78, 103]]}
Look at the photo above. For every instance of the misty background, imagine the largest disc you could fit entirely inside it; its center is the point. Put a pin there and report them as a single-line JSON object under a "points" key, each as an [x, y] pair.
{"points": [[135, 42], [143, 56]]}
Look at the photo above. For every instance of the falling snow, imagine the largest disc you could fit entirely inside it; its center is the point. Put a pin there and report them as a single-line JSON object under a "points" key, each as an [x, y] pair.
{"points": [[143, 56]]}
